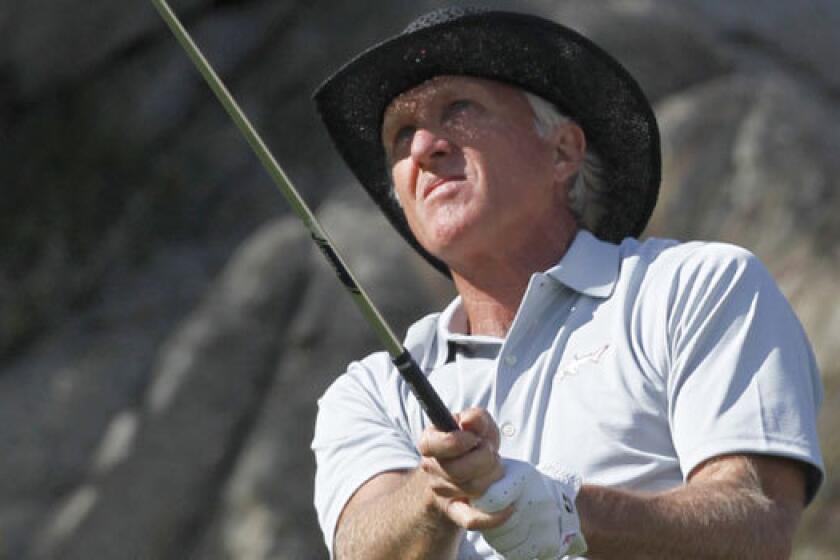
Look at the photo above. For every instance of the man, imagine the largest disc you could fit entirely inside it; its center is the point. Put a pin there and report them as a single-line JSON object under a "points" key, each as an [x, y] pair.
{"points": [[639, 399]]}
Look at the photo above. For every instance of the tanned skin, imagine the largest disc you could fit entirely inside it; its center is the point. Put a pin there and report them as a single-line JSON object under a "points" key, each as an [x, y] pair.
{"points": [[485, 193], [733, 507]]}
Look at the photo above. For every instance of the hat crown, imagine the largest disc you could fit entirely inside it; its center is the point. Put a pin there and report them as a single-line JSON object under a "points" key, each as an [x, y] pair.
{"points": [[442, 15], [535, 54]]}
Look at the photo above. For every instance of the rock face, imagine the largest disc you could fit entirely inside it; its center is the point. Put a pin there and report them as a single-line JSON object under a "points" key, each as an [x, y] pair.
{"points": [[165, 328]]}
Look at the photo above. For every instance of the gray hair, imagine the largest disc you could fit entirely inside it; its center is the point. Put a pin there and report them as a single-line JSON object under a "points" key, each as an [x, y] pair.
{"points": [[588, 195]]}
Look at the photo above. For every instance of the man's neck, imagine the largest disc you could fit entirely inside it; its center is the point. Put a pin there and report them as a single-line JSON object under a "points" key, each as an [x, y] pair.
{"points": [[492, 289], [489, 314]]}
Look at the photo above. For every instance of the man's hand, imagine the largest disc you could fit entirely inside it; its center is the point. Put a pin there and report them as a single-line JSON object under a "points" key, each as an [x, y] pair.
{"points": [[545, 523], [461, 466], [422, 513]]}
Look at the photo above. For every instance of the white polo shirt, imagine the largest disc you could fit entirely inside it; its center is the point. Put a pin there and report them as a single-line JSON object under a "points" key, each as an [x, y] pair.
{"points": [[629, 364]]}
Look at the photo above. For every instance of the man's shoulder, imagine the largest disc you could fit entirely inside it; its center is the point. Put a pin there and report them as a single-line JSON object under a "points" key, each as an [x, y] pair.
{"points": [[659, 271], [658, 248], [661, 255]]}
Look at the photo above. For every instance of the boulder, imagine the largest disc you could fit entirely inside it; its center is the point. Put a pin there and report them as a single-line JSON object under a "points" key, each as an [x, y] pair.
{"points": [[799, 38], [58, 397], [43, 34], [652, 43], [161, 462]]}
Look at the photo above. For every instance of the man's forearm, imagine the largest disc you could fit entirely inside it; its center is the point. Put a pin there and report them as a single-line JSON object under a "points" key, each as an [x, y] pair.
{"points": [[397, 524], [703, 520]]}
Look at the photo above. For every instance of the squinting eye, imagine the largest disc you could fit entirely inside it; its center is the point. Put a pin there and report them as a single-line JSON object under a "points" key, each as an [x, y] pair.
{"points": [[456, 109], [403, 138], [459, 105], [405, 133]]}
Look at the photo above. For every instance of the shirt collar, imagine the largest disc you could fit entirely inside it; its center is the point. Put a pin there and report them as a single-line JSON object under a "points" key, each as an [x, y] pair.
{"points": [[590, 266], [452, 326]]}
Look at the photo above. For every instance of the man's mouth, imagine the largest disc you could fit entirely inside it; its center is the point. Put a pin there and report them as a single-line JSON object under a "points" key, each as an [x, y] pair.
{"points": [[437, 183]]}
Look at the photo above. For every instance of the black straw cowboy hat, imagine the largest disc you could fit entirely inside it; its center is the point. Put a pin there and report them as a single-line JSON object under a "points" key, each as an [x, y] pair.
{"points": [[535, 54]]}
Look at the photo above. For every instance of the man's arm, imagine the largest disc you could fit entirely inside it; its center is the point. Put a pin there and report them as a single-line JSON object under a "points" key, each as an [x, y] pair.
{"points": [[422, 513], [739, 506], [387, 518]]}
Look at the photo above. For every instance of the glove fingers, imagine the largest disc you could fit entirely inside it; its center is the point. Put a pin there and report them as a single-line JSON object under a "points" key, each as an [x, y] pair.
{"points": [[505, 491], [512, 534], [544, 524], [533, 547], [527, 551]]}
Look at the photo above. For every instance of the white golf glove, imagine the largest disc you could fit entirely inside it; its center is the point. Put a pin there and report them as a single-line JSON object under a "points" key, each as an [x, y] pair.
{"points": [[545, 523]]}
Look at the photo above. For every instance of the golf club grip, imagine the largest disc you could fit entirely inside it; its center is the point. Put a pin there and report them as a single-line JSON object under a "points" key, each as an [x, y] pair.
{"points": [[425, 393]]}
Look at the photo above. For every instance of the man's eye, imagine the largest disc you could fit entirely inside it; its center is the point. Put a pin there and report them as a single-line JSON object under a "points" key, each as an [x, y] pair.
{"points": [[405, 133], [403, 137], [457, 107]]}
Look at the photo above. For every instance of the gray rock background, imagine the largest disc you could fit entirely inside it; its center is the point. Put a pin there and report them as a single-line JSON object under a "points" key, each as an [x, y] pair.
{"points": [[165, 326]]}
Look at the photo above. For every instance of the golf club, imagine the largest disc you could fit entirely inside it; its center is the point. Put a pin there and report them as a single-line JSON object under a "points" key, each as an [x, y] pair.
{"points": [[408, 368]]}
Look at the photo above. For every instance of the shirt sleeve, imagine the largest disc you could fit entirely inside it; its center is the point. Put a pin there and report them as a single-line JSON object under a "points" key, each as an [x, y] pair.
{"points": [[743, 378], [357, 436]]}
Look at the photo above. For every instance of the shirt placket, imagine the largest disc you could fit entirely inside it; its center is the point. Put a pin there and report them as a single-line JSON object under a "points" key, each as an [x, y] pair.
{"points": [[516, 357]]}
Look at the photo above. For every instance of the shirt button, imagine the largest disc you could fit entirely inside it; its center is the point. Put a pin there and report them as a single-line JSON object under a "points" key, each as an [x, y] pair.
{"points": [[510, 360], [508, 429]]}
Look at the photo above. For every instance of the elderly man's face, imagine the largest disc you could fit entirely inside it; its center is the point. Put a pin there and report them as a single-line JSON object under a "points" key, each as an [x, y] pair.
{"points": [[471, 172]]}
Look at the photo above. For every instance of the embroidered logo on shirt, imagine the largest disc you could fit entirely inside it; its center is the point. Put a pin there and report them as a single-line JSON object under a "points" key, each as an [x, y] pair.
{"points": [[572, 366]]}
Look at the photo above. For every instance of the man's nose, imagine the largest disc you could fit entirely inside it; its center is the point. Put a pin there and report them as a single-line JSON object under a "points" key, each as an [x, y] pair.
{"points": [[427, 146]]}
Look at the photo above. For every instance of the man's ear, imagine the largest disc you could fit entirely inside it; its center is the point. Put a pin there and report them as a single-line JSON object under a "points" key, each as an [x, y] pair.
{"points": [[569, 144]]}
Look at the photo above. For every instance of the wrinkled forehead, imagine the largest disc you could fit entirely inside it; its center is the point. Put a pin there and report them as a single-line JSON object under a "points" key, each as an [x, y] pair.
{"points": [[416, 98], [442, 88]]}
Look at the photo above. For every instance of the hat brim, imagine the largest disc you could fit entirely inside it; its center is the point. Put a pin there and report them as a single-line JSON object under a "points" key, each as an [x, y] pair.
{"points": [[538, 55]]}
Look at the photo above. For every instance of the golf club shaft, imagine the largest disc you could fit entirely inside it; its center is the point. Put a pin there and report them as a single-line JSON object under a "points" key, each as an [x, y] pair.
{"points": [[420, 386]]}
